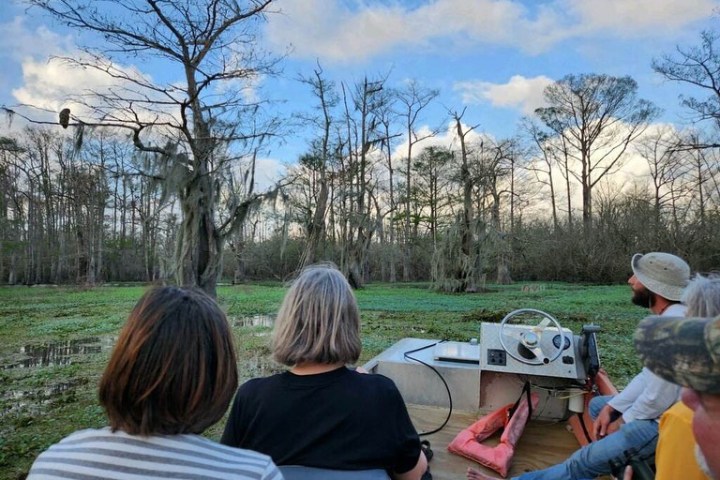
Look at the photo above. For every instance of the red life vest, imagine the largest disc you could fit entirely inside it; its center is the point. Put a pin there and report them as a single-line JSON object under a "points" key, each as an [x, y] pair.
{"points": [[468, 442]]}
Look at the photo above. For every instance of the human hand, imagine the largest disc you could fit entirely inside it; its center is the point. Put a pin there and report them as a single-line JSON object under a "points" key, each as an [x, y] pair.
{"points": [[361, 370], [602, 421], [628, 473], [615, 426]]}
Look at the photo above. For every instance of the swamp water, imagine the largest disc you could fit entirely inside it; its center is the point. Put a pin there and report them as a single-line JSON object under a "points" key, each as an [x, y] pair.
{"points": [[26, 362]]}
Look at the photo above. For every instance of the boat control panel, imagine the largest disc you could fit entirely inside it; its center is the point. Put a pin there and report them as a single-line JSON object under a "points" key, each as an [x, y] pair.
{"points": [[530, 350], [489, 372]]}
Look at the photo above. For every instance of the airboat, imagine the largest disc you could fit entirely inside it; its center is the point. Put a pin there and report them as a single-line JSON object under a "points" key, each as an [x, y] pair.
{"points": [[449, 385]]}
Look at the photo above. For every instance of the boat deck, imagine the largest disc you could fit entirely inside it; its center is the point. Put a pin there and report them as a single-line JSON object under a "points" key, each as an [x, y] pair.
{"points": [[541, 445]]}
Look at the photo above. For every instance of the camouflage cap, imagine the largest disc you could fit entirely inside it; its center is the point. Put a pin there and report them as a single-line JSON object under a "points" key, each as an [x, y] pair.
{"points": [[685, 351]]}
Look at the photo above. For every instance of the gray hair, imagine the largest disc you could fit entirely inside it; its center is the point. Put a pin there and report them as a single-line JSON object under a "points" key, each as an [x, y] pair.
{"points": [[702, 296], [319, 320]]}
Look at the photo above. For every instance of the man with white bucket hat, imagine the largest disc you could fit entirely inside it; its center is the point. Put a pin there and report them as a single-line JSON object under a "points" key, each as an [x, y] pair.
{"points": [[658, 282], [662, 279]]}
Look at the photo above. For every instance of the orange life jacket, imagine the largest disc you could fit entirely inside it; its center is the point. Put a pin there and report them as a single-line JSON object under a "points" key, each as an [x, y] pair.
{"points": [[468, 443]]}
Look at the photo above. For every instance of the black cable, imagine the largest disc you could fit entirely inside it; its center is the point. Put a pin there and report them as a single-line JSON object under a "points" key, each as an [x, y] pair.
{"points": [[584, 427], [408, 356]]}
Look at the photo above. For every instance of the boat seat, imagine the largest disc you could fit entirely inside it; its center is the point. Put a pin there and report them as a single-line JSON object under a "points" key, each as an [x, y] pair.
{"points": [[299, 472]]}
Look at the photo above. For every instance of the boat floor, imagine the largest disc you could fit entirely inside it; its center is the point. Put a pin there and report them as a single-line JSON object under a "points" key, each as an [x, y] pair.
{"points": [[542, 444]]}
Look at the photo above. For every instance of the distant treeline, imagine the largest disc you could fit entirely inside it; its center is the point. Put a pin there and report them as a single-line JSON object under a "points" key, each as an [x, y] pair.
{"points": [[90, 217]]}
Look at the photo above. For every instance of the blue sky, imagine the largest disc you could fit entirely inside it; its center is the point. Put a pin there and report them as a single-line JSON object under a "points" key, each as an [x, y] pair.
{"points": [[492, 56]]}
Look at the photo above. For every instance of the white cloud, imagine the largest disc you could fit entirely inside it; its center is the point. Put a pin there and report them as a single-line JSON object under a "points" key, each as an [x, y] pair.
{"points": [[444, 139], [526, 94], [639, 17], [632, 173], [55, 84], [636, 168], [49, 84], [246, 87], [333, 31], [268, 171], [323, 28], [356, 31], [19, 42]]}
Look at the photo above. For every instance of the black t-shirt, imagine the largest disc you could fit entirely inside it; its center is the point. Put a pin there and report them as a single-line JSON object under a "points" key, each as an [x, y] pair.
{"points": [[340, 419]]}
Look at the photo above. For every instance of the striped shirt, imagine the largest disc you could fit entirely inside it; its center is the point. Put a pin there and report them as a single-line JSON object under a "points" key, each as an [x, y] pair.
{"points": [[96, 454]]}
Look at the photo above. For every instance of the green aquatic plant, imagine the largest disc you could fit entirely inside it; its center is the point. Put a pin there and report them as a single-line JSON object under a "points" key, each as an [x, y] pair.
{"points": [[44, 400]]}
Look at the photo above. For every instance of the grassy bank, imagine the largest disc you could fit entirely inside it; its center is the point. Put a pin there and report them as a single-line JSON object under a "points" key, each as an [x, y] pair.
{"points": [[54, 342]]}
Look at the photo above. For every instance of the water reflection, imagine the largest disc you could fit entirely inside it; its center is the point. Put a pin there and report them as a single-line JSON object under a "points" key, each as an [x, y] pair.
{"points": [[255, 321], [32, 401], [44, 392], [257, 366], [59, 353]]}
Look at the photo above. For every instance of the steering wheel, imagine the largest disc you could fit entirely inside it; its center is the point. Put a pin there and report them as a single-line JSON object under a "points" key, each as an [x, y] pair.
{"points": [[530, 341]]}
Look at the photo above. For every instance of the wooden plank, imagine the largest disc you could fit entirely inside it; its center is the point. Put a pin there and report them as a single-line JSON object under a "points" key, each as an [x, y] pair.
{"points": [[542, 444]]}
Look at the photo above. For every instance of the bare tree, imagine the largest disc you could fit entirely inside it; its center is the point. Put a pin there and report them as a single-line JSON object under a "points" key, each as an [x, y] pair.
{"points": [[666, 167], [456, 261], [386, 119], [700, 165], [413, 99], [430, 189], [318, 161], [12, 211], [596, 118], [697, 66], [364, 137], [542, 169], [493, 170], [211, 44]]}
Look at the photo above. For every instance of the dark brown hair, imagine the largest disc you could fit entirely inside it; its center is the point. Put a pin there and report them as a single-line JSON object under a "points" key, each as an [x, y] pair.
{"points": [[173, 369]]}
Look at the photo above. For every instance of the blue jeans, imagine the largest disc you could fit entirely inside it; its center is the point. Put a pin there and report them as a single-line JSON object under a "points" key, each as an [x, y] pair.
{"points": [[594, 459]]}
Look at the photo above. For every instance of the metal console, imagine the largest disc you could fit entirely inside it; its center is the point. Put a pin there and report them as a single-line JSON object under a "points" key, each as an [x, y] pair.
{"points": [[494, 358]]}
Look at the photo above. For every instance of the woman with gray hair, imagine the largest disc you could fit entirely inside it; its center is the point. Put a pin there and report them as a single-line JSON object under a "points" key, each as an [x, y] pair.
{"points": [[320, 413], [702, 296]]}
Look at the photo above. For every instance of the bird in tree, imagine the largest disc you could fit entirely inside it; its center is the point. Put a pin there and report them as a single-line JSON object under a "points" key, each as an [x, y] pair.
{"points": [[64, 117]]}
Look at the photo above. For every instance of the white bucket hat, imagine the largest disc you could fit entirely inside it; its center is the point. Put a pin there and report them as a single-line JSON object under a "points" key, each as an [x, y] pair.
{"points": [[662, 273]]}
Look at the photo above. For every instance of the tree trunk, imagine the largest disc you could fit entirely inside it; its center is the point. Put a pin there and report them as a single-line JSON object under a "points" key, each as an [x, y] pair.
{"points": [[503, 272], [466, 233], [12, 270], [199, 258], [316, 229]]}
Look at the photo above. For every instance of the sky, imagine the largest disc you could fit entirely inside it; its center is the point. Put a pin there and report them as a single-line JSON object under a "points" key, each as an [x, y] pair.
{"points": [[492, 57]]}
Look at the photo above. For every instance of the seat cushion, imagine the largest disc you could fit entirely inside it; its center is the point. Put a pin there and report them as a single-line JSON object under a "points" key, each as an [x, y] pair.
{"points": [[299, 472]]}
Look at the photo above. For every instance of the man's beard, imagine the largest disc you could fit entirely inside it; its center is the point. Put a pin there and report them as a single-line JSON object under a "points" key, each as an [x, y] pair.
{"points": [[642, 298], [702, 463]]}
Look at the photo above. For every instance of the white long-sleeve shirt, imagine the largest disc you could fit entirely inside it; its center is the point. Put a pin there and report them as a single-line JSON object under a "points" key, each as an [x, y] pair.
{"points": [[647, 396]]}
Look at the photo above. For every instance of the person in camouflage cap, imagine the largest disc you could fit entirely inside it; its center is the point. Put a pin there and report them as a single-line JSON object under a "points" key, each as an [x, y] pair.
{"points": [[686, 351]]}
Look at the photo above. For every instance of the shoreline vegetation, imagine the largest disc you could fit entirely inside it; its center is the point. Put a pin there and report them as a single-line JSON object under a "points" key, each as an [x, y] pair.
{"points": [[55, 341]]}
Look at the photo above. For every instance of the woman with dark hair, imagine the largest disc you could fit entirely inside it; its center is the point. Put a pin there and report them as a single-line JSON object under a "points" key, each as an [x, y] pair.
{"points": [[171, 375], [320, 413]]}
